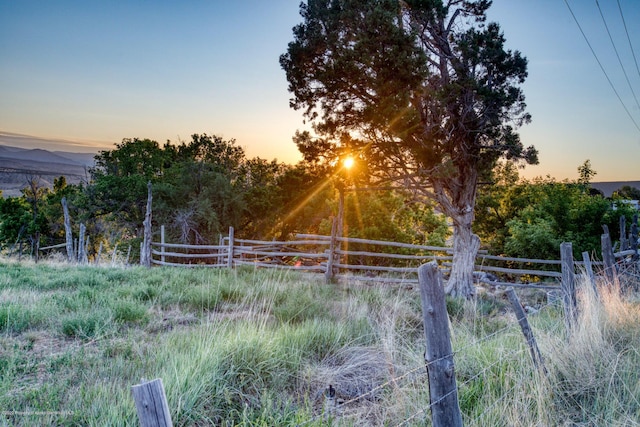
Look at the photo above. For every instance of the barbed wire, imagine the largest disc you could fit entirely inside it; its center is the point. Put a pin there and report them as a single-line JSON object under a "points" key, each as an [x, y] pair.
{"points": [[424, 367], [466, 382]]}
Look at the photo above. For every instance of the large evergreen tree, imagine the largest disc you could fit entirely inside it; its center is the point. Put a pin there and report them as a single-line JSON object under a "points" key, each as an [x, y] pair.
{"points": [[424, 89]]}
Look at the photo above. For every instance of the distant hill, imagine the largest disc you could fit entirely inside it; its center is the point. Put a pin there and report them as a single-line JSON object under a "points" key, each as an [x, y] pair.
{"points": [[16, 164], [609, 187]]}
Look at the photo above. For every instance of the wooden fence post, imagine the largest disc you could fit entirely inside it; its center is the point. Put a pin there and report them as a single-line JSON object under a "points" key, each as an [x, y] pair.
{"points": [[634, 238], [68, 232], [86, 250], [126, 262], [220, 251], [608, 258], [623, 233], [230, 251], [589, 271], [81, 246], [115, 253], [443, 391], [151, 404], [538, 361], [162, 243], [328, 274], [145, 250], [568, 285]]}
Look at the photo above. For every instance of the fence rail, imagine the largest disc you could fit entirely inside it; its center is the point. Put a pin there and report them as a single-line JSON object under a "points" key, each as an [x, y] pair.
{"points": [[331, 255]]}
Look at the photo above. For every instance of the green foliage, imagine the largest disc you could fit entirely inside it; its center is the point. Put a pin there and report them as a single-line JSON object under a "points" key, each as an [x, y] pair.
{"points": [[358, 69], [531, 218], [389, 216], [15, 216], [536, 239], [627, 192], [132, 157]]}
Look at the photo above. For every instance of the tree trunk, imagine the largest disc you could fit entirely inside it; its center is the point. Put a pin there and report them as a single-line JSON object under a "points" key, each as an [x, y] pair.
{"points": [[457, 200], [465, 249]]}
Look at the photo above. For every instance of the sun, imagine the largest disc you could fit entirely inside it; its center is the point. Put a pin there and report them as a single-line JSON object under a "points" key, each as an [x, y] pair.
{"points": [[348, 162]]}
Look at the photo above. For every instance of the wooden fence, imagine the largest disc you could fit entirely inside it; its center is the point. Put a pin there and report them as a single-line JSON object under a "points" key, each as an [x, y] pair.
{"points": [[378, 261], [330, 254]]}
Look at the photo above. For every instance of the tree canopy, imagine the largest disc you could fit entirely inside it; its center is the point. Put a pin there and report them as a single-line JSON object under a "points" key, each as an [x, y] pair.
{"points": [[424, 89]]}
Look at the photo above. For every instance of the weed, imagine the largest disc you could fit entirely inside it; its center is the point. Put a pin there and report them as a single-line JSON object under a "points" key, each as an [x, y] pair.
{"points": [[129, 312], [89, 325], [15, 318]]}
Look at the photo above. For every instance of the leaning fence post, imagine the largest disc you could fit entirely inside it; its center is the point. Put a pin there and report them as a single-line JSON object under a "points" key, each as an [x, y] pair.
{"points": [[538, 361], [151, 404], [230, 251], [608, 258], [443, 391], [568, 284]]}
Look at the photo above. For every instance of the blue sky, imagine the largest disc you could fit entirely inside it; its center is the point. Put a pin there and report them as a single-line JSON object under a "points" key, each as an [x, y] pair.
{"points": [[97, 72]]}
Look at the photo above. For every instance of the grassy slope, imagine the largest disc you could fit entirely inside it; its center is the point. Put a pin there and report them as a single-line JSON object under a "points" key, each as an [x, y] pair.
{"points": [[259, 348]]}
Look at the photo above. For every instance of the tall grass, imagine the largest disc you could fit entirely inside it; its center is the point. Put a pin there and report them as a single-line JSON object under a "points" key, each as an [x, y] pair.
{"points": [[596, 378], [259, 348]]}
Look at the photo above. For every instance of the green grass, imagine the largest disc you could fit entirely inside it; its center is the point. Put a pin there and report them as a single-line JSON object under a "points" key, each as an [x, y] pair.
{"points": [[258, 348]]}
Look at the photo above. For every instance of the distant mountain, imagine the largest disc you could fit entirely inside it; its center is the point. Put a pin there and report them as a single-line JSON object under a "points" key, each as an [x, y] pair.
{"points": [[39, 155], [16, 164], [86, 159], [28, 142]]}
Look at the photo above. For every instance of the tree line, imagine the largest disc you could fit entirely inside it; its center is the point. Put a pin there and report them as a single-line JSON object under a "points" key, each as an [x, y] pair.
{"points": [[203, 186]]}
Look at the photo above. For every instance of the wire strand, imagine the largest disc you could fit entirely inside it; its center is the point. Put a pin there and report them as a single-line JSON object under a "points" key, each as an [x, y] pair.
{"points": [[601, 66], [633, 53], [624, 71]]}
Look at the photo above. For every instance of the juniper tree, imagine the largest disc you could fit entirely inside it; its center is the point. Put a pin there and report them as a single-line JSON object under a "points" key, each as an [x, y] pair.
{"points": [[424, 90]]}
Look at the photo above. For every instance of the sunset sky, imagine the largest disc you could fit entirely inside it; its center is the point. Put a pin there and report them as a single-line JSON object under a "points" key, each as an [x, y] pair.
{"points": [[95, 72]]}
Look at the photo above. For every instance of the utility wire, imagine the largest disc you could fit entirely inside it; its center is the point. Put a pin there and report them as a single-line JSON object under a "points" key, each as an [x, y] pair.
{"points": [[633, 53], [601, 67], [617, 54]]}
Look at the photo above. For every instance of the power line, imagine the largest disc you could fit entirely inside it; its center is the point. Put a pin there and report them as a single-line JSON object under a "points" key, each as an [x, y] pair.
{"points": [[601, 67], [633, 53], [624, 71]]}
